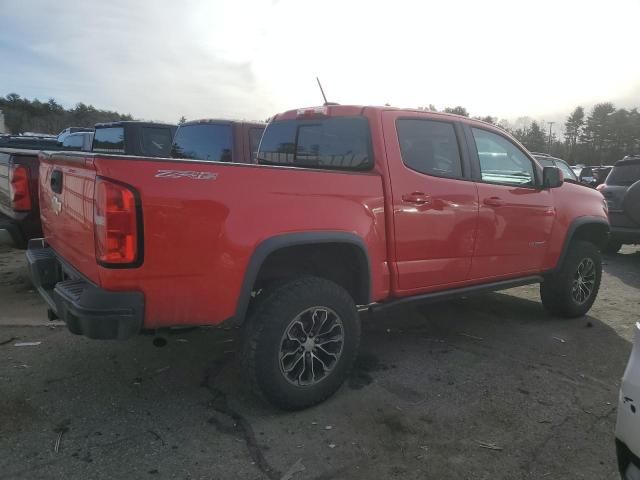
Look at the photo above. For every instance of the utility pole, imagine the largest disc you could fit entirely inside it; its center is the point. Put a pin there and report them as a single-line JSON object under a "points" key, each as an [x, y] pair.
{"points": [[550, 125]]}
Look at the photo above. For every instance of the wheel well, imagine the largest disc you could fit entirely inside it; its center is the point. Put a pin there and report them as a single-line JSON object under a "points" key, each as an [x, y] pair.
{"points": [[343, 263], [596, 233]]}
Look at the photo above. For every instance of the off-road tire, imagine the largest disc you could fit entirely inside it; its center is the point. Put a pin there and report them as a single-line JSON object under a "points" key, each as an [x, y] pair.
{"points": [[266, 326], [557, 289]]}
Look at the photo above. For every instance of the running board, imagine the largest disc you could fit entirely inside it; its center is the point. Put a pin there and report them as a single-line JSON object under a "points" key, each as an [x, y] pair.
{"points": [[433, 297]]}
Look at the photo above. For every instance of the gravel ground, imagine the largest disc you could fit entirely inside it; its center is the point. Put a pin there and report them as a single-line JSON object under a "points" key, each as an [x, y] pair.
{"points": [[487, 387]]}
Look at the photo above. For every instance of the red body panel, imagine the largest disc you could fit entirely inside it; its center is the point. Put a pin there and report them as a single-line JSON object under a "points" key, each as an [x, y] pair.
{"points": [[200, 231], [434, 240], [514, 226]]}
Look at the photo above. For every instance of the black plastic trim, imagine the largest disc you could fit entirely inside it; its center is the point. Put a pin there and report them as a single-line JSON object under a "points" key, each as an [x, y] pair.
{"points": [[86, 308], [443, 295], [270, 245], [577, 223]]}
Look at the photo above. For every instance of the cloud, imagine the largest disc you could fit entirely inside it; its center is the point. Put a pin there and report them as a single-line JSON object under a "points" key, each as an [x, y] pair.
{"points": [[249, 59]]}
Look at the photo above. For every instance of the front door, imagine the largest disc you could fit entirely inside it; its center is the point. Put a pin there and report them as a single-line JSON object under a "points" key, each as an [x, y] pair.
{"points": [[516, 215], [435, 203]]}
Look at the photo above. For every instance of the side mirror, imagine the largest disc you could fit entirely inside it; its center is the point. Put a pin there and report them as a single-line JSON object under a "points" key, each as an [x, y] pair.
{"points": [[552, 177]]}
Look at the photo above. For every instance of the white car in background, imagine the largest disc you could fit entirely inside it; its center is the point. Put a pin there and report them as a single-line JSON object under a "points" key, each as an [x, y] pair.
{"points": [[628, 424]]}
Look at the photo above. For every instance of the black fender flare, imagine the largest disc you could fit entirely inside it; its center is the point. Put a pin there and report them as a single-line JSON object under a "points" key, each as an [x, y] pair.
{"points": [[573, 227], [272, 244]]}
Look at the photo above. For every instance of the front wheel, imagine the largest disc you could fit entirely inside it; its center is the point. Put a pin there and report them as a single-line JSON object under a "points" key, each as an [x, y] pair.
{"points": [[571, 291], [301, 341]]}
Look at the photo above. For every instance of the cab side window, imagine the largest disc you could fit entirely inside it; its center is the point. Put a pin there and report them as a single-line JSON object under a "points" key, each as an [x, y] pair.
{"points": [[501, 161], [429, 147]]}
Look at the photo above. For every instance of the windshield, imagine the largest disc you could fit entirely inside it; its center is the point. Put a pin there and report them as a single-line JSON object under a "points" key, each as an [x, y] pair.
{"points": [[340, 143], [566, 170]]}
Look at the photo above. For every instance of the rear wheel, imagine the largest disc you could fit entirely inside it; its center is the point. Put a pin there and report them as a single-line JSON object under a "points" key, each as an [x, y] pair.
{"points": [[301, 341], [571, 291]]}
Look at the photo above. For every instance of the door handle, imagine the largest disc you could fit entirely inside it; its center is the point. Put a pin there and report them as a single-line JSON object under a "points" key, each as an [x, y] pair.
{"points": [[494, 201], [417, 198]]}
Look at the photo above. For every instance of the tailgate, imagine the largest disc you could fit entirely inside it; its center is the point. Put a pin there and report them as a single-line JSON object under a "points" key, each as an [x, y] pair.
{"points": [[66, 208]]}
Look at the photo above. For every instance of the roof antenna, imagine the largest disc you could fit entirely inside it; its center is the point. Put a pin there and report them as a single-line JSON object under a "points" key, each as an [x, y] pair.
{"points": [[323, 95]]}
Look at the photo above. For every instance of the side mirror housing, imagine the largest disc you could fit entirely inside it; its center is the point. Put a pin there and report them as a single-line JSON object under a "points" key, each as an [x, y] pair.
{"points": [[552, 177]]}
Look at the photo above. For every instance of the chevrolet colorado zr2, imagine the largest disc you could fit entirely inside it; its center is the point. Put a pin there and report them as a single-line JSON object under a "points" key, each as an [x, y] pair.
{"points": [[346, 206]]}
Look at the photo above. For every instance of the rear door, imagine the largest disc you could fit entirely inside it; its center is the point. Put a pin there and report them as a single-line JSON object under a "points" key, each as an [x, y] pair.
{"points": [[516, 215], [435, 203]]}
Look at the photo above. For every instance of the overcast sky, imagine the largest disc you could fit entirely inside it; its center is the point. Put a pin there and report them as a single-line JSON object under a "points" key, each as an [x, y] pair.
{"points": [[161, 59]]}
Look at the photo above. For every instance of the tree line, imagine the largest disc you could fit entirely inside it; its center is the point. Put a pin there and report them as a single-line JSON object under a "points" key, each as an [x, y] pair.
{"points": [[602, 137], [24, 115]]}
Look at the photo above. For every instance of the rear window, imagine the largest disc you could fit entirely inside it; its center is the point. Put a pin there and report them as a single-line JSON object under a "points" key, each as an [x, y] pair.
{"points": [[624, 175], [337, 143], [109, 140], [156, 141], [203, 142]]}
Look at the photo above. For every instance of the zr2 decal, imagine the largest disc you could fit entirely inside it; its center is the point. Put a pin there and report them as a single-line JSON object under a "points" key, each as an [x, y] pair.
{"points": [[186, 174]]}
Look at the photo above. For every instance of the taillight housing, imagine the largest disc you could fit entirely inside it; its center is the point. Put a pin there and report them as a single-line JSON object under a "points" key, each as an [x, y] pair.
{"points": [[19, 188], [118, 224]]}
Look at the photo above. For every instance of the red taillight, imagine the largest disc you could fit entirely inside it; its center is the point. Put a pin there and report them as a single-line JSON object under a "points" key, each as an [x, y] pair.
{"points": [[20, 195], [600, 187], [115, 217]]}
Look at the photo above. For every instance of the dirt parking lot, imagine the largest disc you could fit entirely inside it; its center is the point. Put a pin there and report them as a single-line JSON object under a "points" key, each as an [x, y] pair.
{"points": [[487, 387]]}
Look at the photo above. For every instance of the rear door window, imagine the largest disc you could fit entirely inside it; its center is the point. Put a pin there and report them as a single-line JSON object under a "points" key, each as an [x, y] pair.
{"points": [[429, 147], [336, 143], [625, 174], [156, 141], [109, 140], [206, 141]]}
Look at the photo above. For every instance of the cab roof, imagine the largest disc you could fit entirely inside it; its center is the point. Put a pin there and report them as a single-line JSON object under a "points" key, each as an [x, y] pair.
{"points": [[358, 110]]}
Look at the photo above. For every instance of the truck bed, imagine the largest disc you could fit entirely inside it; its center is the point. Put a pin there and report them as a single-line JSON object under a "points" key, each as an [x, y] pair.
{"points": [[201, 217]]}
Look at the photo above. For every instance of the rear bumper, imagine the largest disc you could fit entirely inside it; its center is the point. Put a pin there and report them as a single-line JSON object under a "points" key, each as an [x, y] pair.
{"points": [[86, 308], [10, 233], [625, 234], [16, 231]]}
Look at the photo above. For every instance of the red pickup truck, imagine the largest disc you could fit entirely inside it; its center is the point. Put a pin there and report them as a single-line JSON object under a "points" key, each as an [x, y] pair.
{"points": [[349, 206]]}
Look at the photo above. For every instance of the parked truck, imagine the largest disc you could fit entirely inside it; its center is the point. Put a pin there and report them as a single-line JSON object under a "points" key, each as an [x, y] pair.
{"points": [[347, 207], [19, 214]]}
